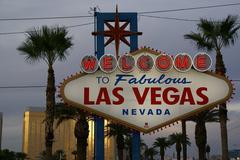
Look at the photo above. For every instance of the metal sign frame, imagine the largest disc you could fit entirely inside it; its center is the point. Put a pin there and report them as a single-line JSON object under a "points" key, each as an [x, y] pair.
{"points": [[99, 122]]}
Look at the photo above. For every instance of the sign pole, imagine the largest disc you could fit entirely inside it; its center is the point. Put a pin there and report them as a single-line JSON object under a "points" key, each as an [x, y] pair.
{"points": [[136, 140], [99, 122], [99, 138]]}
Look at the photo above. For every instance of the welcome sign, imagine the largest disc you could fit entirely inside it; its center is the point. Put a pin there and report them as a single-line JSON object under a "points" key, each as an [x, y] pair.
{"points": [[145, 100]]}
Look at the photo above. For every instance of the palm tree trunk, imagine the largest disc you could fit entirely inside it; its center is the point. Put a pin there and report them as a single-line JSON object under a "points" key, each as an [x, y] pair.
{"points": [[81, 150], [184, 132], [201, 153], [178, 150], [162, 157], [120, 146], [130, 152], [81, 132], [223, 125], [120, 154], [221, 70], [219, 66], [151, 157], [50, 96], [178, 155], [201, 139], [162, 153], [145, 155]]}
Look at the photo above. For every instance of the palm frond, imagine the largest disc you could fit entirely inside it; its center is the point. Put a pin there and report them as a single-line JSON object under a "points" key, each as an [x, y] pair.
{"points": [[178, 138], [116, 129], [30, 48], [200, 41], [63, 119], [46, 43], [206, 116], [62, 42], [228, 30], [63, 113], [215, 34], [162, 142], [212, 116], [150, 152], [206, 27]]}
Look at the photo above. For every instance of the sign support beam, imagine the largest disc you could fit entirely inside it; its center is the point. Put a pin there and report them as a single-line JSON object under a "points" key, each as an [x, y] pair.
{"points": [[99, 138], [136, 140], [99, 122]]}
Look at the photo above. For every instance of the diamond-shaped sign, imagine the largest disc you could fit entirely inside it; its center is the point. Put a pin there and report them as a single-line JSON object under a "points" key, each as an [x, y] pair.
{"points": [[146, 101]]}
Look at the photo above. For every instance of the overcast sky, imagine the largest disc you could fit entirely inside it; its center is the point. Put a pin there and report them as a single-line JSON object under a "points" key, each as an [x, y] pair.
{"points": [[166, 35]]}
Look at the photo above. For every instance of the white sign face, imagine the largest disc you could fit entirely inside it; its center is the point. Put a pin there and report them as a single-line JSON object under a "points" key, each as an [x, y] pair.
{"points": [[146, 101]]}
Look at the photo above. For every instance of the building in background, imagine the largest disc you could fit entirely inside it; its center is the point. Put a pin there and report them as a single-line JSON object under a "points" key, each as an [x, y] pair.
{"points": [[1, 125], [64, 139]]}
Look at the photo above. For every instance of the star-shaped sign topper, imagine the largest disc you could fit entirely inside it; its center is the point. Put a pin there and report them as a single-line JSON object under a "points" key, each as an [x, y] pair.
{"points": [[116, 33]]}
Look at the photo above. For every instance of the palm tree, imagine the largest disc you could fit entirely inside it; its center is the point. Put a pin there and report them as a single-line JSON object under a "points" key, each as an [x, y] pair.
{"points": [[21, 156], [120, 132], [128, 147], [178, 139], [150, 153], [200, 129], [58, 155], [184, 132], [163, 143], [7, 154], [48, 45], [143, 149], [81, 129], [11, 155], [214, 35]]}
